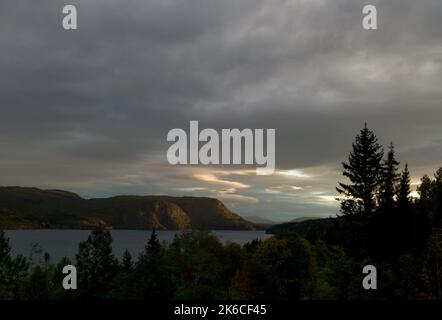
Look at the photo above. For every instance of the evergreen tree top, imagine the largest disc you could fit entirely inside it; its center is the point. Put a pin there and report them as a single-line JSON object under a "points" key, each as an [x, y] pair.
{"points": [[362, 169], [153, 245]]}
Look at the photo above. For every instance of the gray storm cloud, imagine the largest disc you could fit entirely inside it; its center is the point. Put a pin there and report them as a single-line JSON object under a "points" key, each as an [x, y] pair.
{"points": [[90, 109]]}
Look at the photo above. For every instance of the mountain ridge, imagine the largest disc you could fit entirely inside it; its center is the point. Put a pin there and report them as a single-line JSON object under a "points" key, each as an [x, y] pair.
{"points": [[34, 208]]}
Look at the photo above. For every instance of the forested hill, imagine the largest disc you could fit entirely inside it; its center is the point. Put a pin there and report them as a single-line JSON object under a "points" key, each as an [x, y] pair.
{"points": [[306, 228], [29, 208]]}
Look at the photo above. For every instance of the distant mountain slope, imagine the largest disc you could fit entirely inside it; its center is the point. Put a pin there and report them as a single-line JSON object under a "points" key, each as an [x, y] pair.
{"points": [[303, 227], [36, 208], [267, 223], [302, 219], [260, 220]]}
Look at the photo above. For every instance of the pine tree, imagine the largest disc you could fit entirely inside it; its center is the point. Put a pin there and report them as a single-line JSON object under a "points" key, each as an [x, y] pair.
{"points": [[421, 224], [388, 181], [436, 215], [358, 205], [153, 245], [127, 261], [431, 274], [13, 270], [438, 177], [425, 190], [404, 190], [5, 250], [403, 226], [5, 262], [363, 169], [96, 264]]}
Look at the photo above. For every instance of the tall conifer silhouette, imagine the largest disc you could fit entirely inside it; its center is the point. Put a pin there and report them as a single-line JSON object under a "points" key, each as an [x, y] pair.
{"points": [[388, 181], [362, 169]]}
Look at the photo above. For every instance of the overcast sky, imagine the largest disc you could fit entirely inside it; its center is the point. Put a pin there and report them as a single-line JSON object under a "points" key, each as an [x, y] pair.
{"points": [[89, 110]]}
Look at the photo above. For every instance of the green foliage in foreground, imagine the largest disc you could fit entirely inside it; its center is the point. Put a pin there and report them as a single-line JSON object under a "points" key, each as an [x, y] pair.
{"points": [[196, 265]]}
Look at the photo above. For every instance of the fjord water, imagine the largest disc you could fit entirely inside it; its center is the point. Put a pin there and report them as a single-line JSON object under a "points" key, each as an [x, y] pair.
{"points": [[61, 243]]}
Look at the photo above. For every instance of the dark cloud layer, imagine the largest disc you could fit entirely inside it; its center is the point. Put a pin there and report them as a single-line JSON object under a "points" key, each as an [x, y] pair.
{"points": [[90, 109]]}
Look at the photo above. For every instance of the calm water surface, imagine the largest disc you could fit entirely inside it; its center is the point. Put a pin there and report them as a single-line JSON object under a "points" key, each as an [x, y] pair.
{"points": [[60, 243]]}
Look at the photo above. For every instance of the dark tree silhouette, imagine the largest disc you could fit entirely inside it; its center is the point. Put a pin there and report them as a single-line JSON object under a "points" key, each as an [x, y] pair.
{"points": [[12, 270], [153, 245], [127, 262], [404, 190], [362, 169], [388, 181], [424, 189], [436, 214], [403, 235], [96, 264], [5, 262], [5, 252]]}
